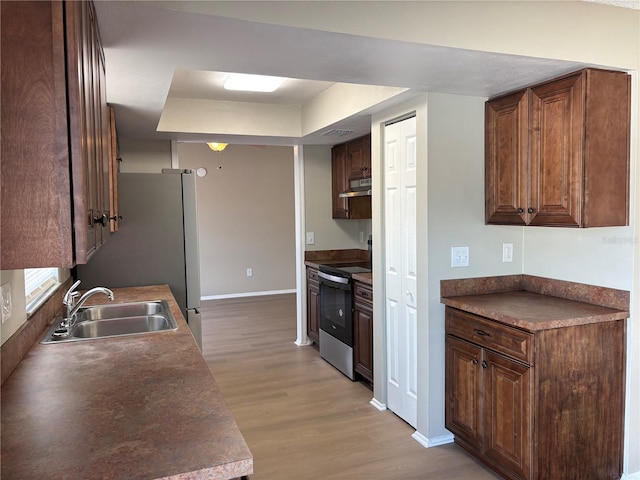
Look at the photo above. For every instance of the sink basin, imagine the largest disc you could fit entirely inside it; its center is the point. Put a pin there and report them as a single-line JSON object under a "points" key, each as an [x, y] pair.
{"points": [[114, 320]]}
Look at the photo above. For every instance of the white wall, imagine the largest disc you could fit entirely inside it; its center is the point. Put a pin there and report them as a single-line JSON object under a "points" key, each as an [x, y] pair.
{"points": [[455, 166], [245, 217], [329, 234], [144, 156]]}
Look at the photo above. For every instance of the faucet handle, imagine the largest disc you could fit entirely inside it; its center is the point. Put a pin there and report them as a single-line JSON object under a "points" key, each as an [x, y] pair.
{"points": [[70, 297]]}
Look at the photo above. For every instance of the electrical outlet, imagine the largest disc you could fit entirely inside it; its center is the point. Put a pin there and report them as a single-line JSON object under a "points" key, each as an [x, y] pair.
{"points": [[507, 252], [5, 301], [459, 256], [311, 239], [249, 272]]}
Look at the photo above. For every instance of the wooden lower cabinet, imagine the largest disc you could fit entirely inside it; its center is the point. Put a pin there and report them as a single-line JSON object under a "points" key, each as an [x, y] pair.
{"points": [[313, 305], [363, 331], [537, 405]]}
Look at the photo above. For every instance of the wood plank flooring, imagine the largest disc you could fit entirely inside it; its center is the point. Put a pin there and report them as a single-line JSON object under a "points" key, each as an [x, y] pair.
{"points": [[302, 418]]}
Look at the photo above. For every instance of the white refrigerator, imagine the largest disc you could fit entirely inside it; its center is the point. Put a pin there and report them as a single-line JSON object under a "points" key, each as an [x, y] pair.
{"points": [[157, 241]]}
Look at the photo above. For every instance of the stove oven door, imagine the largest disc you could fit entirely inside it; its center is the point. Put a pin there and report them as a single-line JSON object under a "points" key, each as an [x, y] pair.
{"points": [[336, 307]]}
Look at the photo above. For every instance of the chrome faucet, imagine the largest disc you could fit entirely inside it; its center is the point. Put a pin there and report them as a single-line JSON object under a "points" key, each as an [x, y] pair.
{"points": [[69, 300]]}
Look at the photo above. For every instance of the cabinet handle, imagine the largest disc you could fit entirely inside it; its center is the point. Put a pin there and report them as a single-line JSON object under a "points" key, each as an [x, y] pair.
{"points": [[520, 210], [484, 364], [531, 210], [475, 361], [482, 333]]}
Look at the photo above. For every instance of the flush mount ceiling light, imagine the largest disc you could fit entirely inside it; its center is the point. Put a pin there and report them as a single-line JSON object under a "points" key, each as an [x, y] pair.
{"points": [[217, 147], [252, 83]]}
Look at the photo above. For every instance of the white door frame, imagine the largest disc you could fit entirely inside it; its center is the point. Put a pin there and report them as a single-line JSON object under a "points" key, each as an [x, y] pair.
{"points": [[418, 105]]}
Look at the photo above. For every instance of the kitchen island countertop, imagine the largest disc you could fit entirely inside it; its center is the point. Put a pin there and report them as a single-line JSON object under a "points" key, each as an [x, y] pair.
{"points": [[134, 407]]}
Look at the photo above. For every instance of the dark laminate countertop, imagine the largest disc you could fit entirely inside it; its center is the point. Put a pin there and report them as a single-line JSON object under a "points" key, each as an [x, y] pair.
{"points": [[535, 303], [363, 277], [136, 407]]}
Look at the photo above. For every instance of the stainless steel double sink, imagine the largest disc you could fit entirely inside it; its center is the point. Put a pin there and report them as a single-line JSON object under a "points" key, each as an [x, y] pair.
{"points": [[114, 320]]}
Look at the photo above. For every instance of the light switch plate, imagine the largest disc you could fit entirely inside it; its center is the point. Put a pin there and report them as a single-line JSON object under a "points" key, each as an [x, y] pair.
{"points": [[5, 301], [459, 256]]}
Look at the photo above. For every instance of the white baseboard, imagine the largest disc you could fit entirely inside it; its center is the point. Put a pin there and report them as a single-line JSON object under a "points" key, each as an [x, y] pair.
{"points": [[630, 476], [246, 294], [303, 344], [380, 406], [432, 441]]}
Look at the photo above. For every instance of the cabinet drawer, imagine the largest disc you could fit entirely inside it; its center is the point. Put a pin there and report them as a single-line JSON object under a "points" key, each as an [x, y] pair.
{"points": [[363, 292], [492, 335], [312, 274]]}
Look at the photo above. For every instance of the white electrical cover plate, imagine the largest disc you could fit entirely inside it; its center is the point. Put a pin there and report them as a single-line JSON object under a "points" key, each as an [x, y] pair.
{"points": [[459, 256], [5, 300], [201, 172]]}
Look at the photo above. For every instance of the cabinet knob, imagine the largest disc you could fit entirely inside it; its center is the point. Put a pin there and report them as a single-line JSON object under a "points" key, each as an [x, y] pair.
{"points": [[531, 210], [475, 361], [484, 364], [102, 219], [115, 218], [520, 210]]}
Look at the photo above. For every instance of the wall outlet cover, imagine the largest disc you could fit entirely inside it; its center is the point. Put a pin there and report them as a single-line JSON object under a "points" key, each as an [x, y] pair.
{"points": [[311, 239], [507, 252], [5, 300]]}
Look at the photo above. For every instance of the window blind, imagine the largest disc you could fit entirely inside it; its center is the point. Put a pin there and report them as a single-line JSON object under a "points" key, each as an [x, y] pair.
{"points": [[37, 283]]}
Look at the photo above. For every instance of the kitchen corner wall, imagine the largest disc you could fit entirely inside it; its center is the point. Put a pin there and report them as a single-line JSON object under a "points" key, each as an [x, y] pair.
{"points": [[329, 234], [245, 218]]}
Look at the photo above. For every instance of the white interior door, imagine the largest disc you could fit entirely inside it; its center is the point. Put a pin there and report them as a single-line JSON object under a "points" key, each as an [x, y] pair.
{"points": [[401, 268]]}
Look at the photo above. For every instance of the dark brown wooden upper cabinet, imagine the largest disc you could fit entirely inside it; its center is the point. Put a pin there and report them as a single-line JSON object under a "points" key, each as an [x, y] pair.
{"points": [[557, 153], [55, 199], [350, 161]]}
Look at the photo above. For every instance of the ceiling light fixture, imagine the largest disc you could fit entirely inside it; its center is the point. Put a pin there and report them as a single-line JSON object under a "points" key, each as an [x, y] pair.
{"points": [[217, 147], [252, 83]]}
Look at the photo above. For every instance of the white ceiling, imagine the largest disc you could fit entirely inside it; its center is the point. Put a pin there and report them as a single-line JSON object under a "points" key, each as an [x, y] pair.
{"points": [[154, 51]]}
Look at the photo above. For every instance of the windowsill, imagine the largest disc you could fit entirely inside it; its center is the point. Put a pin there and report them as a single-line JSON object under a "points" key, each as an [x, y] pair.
{"points": [[34, 305]]}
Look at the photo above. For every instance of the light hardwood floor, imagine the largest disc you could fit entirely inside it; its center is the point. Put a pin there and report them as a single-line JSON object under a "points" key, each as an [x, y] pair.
{"points": [[301, 418]]}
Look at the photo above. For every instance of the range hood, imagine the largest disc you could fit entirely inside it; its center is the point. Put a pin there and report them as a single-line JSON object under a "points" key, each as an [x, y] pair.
{"points": [[360, 187]]}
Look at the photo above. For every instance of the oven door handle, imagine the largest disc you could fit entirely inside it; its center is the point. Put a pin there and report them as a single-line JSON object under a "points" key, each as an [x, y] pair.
{"points": [[333, 278]]}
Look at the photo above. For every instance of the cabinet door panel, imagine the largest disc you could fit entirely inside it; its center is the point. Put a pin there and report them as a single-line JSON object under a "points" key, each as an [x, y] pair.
{"points": [[363, 332], [556, 152], [505, 159], [359, 157], [463, 387], [339, 181], [507, 422], [313, 309], [36, 221]]}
